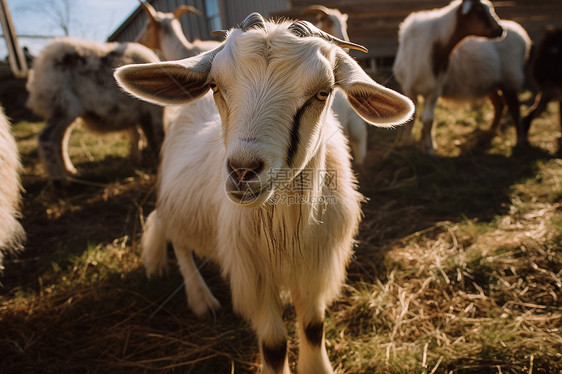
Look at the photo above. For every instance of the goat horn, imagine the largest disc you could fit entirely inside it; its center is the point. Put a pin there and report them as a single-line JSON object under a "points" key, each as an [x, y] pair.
{"points": [[316, 9], [185, 9], [305, 28], [222, 33], [253, 20], [149, 10]]}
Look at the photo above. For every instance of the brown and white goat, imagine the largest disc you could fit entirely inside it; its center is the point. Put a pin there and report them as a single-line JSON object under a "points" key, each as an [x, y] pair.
{"points": [[11, 231], [73, 79], [260, 179], [163, 33], [440, 56]]}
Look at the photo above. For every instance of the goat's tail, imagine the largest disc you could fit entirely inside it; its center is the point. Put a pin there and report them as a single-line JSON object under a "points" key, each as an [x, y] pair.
{"points": [[154, 247]]}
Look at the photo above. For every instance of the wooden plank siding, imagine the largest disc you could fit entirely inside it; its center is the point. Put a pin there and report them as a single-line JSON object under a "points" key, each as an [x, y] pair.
{"points": [[232, 13], [374, 23], [194, 26], [235, 11]]}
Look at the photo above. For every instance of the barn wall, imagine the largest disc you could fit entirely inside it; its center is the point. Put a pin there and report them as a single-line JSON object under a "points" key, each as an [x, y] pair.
{"points": [[194, 26]]}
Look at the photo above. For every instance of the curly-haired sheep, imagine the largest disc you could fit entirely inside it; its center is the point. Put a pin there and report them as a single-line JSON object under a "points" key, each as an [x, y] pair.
{"points": [[73, 79]]}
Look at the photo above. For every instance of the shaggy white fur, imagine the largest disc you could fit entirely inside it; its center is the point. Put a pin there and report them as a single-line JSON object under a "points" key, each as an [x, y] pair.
{"points": [[11, 232], [260, 179]]}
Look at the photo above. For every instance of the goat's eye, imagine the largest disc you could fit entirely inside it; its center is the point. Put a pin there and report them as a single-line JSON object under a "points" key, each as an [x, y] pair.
{"points": [[214, 87], [322, 95]]}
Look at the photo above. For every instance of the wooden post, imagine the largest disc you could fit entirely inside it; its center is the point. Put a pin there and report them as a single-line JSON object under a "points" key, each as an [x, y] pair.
{"points": [[18, 65]]}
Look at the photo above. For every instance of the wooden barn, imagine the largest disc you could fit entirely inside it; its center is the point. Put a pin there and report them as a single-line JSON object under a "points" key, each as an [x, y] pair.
{"points": [[215, 14], [372, 23]]}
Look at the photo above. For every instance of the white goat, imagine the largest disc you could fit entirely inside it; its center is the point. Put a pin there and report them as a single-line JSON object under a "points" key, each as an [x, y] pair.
{"points": [[434, 61], [251, 185], [73, 79], [334, 23], [11, 232], [163, 32]]}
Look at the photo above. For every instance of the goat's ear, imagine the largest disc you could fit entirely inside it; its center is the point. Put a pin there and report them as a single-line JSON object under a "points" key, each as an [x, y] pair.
{"points": [[376, 104], [167, 83]]}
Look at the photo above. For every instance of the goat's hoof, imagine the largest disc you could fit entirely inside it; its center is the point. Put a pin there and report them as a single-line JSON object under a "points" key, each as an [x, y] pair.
{"points": [[206, 307], [156, 271]]}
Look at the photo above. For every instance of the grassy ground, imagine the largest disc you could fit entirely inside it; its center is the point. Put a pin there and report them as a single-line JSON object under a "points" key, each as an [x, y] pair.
{"points": [[457, 269]]}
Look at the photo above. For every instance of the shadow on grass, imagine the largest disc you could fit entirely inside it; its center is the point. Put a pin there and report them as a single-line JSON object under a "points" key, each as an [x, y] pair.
{"points": [[115, 320], [116, 325], [409, 191], [103, 204]]}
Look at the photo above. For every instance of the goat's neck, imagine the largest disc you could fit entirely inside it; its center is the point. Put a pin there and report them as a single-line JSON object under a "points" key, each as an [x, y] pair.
{"points": [[453, 34], [174, 44]]}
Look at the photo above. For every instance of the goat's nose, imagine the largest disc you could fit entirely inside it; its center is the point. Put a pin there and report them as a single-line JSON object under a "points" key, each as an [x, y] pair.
{"points": [[245, 171]]}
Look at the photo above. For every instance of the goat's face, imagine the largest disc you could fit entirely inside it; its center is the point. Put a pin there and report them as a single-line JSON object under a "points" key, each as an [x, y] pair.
{"points": [[273, 91], [478, 18], [329, 20], [160, 25], [150, 35]]}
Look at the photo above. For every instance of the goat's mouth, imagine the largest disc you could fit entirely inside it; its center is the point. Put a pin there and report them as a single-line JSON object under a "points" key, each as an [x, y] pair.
{"points": [[248, 197]]}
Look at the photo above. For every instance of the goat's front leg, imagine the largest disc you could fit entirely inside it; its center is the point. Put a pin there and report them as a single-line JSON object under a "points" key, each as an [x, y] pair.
{"points": [[53, 145], [258, 301], [267, 321], [313, 357], [200, 299], [427, 136]]}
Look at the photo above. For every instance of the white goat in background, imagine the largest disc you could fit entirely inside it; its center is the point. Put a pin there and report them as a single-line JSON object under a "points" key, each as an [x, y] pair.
{"points": [[334, 23], [163, 33], [436, 59], [11, 232], [247, 184], [73, 79]]}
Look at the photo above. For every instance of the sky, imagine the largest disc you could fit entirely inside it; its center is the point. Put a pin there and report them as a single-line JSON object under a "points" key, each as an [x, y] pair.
{"points": [[90, 19]]}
